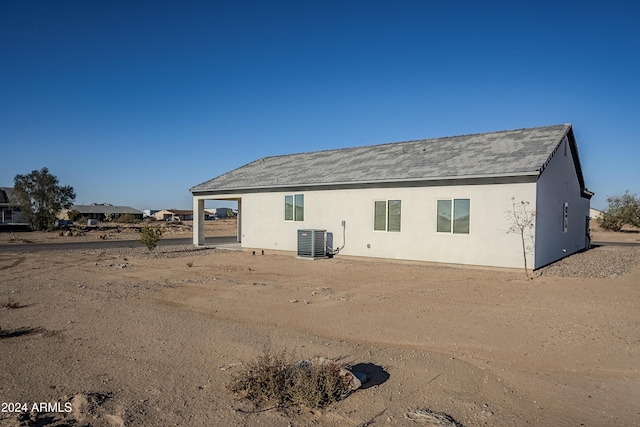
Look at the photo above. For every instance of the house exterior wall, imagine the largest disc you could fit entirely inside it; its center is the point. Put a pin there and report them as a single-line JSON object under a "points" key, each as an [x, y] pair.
{"points": [[558, 184], [488, 243], [163, 215]]}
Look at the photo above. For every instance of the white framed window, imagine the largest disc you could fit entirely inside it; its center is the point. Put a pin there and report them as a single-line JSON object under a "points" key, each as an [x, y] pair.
{"points": [[453, 216], [294, 207], [565, 217], [387, 215]]}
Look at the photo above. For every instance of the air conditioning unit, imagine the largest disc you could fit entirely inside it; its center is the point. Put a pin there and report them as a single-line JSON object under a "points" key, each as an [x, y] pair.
{"points": [[312, 243]]}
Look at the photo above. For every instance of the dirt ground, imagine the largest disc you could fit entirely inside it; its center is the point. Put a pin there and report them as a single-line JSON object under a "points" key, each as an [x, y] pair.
{"points": [[123, 337], [113, 231]]}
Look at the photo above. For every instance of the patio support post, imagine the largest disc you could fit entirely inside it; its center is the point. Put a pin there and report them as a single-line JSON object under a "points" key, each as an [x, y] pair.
{"points": [[239, 219], [198, 221]]}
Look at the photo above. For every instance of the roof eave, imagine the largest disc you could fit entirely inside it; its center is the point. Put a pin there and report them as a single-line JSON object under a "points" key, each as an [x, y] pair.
{"points": [[516, 177]]}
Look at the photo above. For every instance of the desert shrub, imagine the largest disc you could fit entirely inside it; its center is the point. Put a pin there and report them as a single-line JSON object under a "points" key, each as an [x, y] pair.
{"points": [[317, 385], [621, 210], [150, 236], [277, 379], [127, 219]]}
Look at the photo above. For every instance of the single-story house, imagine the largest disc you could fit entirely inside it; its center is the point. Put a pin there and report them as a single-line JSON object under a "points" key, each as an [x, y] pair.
{"points": [[173, 215], [8, 214], [443, 200], [595, 213], [100, 211], [149, 212], [224, 212]]}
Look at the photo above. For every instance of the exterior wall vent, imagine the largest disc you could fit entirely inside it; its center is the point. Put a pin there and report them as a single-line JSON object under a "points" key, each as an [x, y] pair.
{"points": [[311, 243]]}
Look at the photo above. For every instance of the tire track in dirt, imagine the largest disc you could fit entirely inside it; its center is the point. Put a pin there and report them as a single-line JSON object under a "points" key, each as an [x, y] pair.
{"points": [[17, 262]]}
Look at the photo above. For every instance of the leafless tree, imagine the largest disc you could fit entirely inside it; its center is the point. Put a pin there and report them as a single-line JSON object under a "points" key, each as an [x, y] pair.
{"points": [[523, 221]]}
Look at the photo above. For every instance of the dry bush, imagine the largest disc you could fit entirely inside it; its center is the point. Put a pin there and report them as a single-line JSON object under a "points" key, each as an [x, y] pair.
{"points": [[278, 379], [317, 385], [432, 418]]}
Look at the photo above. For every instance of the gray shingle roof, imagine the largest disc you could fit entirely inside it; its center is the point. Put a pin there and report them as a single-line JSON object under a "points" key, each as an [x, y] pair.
{"points": [[5, 195], [507, 153]]}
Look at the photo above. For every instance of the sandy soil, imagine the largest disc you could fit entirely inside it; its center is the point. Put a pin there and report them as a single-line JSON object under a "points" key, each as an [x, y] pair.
{"points": [[114, 231], [121, 337], [628, 234]]}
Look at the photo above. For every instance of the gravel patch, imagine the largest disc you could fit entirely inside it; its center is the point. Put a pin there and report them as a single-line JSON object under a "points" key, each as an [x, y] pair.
{"points": [[603, 261], [175, 251]]}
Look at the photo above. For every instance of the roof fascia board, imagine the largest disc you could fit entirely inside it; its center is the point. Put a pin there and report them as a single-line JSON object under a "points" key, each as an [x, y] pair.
{"points": [[483, 180]]}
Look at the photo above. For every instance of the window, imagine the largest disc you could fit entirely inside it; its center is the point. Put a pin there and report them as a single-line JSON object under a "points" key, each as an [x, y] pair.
{"points": [[453, 216], [565, 217], [387, 215], [294, 207]]}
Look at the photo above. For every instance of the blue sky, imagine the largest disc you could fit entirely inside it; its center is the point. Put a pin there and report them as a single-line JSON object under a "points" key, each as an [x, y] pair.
{"points": [[134, 102]]}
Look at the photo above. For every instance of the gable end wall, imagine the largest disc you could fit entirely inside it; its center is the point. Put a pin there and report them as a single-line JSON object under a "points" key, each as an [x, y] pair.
{"points": [[558, 184]]}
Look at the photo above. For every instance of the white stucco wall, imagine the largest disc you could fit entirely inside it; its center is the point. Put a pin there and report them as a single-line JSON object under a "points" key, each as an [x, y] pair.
{"points": [[488, 243], [558, 184]]}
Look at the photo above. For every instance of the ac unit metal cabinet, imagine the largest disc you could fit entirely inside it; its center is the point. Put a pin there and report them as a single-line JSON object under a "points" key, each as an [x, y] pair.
{"points": [[311, 243]]}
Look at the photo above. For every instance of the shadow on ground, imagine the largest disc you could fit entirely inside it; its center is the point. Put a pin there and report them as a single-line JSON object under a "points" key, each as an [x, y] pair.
{"points": [[376, 374]]}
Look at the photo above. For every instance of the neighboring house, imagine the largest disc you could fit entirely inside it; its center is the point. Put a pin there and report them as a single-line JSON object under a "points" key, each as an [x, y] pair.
{"points": [[149, 212], [100, 210], [442, 200], [8, 214], [224, 212], [173, 215], [595, 213]]}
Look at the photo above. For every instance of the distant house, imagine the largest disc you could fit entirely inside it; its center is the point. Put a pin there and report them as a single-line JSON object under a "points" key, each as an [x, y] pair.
{"points": [[595, 213], [224, 212], [8, 214], [173, 215], [440, 200], [149, 212], [100, 211]]}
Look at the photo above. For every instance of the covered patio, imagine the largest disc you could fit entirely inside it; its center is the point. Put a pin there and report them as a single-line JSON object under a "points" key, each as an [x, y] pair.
{"points": [[199, 234]]}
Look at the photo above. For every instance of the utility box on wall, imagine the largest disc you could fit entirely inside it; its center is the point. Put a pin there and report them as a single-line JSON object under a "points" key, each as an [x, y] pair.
{"points": [[311, 243]]}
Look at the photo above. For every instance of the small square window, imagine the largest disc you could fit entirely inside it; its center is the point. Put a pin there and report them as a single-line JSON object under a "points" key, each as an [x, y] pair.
{"points": [[294, 207], [387, 215]]}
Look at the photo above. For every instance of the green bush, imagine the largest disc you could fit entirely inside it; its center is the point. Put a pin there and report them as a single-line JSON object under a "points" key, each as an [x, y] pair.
{"points": [[150, 236], [622, 210], [127, 219]]}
